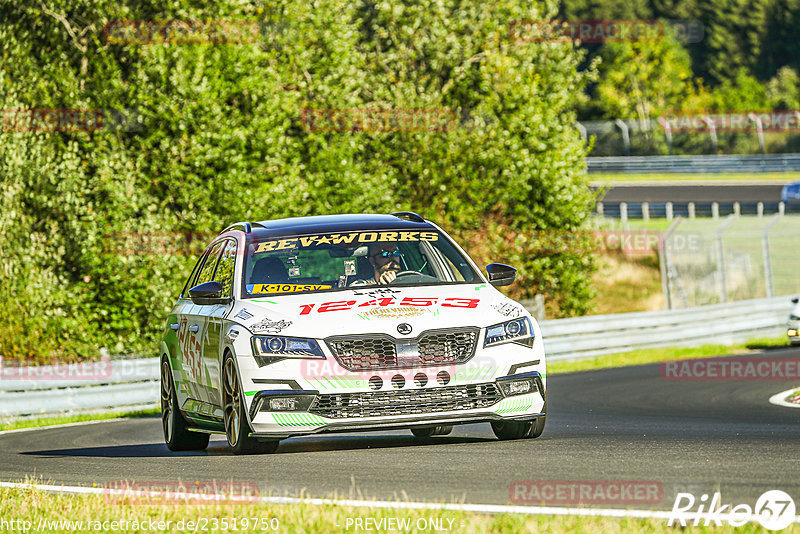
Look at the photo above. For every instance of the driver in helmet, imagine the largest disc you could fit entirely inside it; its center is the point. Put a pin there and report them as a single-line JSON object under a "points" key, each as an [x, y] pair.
{"points": [[385, 260]]}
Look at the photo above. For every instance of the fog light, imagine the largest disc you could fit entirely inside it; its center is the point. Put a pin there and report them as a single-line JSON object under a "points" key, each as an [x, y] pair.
{"points": [[283, 404], [792, 332], [517, 387]]}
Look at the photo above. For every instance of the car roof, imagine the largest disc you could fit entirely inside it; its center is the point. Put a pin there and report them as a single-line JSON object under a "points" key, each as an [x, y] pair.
{"points": [[334, 223]]}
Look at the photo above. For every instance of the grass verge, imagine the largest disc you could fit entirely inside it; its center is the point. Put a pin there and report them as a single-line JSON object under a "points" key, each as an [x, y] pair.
{"points": [[643, 356], [41, 511], [16, 424]]}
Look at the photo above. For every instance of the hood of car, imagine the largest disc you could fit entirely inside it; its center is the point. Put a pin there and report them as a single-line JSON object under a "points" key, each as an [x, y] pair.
{"points": [[397, 311]]}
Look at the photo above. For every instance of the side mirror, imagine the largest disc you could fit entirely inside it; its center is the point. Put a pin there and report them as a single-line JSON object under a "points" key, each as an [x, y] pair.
{"points": [[501, 274], [208, 293], [794, 300]]}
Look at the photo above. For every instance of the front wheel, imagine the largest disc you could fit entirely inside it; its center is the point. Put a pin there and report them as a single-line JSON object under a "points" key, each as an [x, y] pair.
{"points": [[520, 429], [176, 433], [237, 429]]}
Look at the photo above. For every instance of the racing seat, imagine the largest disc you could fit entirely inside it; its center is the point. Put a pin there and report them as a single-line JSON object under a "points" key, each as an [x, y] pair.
{"points": [[364, 270], [269, 271]]}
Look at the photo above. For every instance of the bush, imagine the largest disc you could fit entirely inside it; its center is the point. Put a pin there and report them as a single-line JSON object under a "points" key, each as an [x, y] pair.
{"points": [[216, 133]]}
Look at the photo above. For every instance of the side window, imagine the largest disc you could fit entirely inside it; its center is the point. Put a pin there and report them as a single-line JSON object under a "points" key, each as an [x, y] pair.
{"points": [[207, 272], [227, 262]]}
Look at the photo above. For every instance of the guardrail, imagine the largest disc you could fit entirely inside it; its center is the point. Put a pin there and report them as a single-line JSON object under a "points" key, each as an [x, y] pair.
{"points": [[693, 164], [586, 337], [132, 383], [101, 385]]}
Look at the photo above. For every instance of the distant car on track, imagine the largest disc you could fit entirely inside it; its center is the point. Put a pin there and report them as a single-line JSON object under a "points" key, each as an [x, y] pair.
{"points": [[790, 194], [346, 323], [793, 326]]}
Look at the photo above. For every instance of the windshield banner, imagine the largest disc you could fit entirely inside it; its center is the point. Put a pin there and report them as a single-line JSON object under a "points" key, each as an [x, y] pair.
{"points": [[344, 239]]}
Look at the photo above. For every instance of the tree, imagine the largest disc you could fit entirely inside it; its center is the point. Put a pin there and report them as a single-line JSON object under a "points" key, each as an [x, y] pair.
{"points": [[644, 79]]}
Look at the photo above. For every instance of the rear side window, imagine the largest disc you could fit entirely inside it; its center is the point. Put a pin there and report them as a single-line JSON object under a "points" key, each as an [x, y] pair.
{"points": [[227, 262], [207, 271]]}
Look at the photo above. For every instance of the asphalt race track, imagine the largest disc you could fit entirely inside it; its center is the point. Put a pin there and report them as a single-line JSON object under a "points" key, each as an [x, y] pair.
{"points": [[626, 424], [677, 192]]}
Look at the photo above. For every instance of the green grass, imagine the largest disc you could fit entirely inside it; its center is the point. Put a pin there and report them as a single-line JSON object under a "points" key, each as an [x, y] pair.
{"points": [[767, 176], [643, 356], [66, 419], [34, 506]]}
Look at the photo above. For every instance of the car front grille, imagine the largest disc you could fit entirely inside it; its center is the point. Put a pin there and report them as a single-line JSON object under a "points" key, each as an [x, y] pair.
{"points": [[381, 351], [408, 402]]}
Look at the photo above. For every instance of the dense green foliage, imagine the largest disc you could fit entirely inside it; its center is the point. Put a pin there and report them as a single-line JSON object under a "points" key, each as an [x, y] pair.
{"points": [[747, 57], [217, 135]]}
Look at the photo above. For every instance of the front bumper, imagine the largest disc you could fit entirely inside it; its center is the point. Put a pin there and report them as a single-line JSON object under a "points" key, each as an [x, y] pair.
{"points": [[793, 332], [310, 412]]}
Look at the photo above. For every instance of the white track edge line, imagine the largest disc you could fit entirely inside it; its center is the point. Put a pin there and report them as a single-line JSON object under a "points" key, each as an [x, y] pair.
{"points": [[779, 399], [476, 508]]}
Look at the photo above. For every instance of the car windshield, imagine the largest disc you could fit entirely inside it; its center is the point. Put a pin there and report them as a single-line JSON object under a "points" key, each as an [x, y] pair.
{"points": [[335, 261]]}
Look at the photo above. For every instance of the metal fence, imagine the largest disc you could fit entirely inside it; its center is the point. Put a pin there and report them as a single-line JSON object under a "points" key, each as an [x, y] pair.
{"points": [[670, 210], [712, 261], [693, 164], [134, 383]]}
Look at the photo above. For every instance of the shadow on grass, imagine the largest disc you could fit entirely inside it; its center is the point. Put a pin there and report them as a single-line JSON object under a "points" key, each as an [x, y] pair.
{"points": [[768, 345]]}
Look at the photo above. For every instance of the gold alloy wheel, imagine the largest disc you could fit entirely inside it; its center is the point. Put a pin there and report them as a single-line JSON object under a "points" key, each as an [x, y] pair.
{"points": [[167, 406], [232, 403]]}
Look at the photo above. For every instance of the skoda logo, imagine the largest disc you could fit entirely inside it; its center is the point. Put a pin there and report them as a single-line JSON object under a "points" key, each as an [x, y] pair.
{"points": [[404, 328]]}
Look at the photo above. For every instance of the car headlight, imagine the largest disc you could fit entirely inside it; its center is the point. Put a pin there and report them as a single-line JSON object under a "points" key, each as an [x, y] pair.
{"points": [[269, 349], [515, 330]]}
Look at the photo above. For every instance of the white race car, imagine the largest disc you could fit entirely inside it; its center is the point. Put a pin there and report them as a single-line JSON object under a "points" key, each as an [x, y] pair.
{"points": [[346, 323], [793, 326]]}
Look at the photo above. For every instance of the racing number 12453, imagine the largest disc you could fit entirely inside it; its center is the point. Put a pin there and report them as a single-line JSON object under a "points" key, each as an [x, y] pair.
{"points": [[342, 305]]}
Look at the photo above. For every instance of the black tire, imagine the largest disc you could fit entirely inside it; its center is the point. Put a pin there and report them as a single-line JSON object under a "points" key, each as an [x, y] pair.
{"points": [[428, 431], [237, 429], [176, 433], [512, 429], [521, 429]]}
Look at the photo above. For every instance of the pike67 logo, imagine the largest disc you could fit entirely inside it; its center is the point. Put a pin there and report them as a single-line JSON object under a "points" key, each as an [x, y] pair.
{"points": [[774, 509]]}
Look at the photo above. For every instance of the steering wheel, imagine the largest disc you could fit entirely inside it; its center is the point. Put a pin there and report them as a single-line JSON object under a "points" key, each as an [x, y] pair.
{"points": [[407, 273]]}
